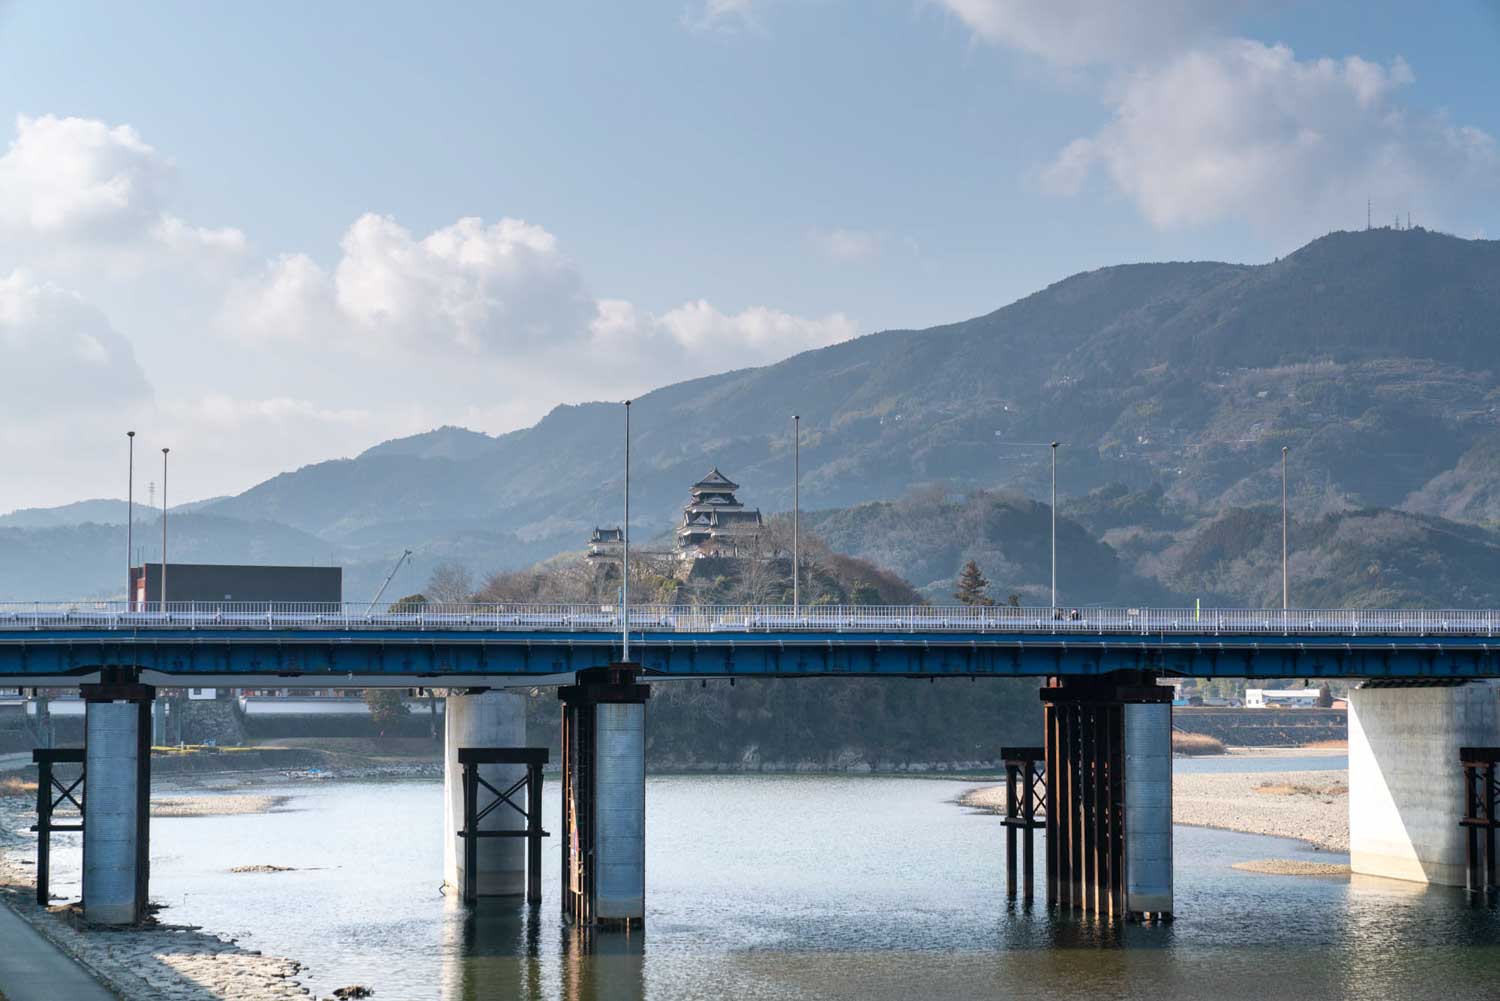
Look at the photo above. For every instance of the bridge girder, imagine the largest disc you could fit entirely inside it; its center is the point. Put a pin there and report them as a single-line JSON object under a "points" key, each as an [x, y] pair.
{"points": [[416, 658]]}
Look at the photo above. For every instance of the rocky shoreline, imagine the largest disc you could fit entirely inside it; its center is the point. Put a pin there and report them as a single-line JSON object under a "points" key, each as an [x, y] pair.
{"points": [[157, 961]]}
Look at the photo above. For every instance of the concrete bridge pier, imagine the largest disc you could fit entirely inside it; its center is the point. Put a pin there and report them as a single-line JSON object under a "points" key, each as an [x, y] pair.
{"points": [[1109, 796], [1406, 787], [484, 719], [604, 797], [117, 798]]}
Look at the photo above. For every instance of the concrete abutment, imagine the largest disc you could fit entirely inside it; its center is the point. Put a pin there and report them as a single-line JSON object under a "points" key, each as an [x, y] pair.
{"points": [[1406, 786]]}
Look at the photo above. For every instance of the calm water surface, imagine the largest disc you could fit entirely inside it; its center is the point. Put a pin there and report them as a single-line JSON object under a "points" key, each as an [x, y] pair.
{"points": [[800, 887]]}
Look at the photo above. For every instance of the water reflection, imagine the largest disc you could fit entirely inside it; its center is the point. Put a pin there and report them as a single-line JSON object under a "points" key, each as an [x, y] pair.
{"points": [[491, 951], [600, 965], [803, 887]]}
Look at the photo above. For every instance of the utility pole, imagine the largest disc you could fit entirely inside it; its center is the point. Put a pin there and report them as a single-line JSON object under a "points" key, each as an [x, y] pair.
{"points": [[796, 512], [164, 528], [1054, 525], [625, 556], [130, 520], [1284, 596]]}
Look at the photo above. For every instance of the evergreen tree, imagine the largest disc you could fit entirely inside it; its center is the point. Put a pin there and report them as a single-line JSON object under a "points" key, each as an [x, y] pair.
{"points": [[972, 586]]}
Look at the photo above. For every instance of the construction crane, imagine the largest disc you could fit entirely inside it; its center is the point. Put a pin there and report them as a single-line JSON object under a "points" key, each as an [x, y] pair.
{"points": [[388, 578]]}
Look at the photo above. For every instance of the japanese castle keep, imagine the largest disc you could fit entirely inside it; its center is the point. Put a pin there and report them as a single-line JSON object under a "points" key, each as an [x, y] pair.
{"points": [[714, 522]]}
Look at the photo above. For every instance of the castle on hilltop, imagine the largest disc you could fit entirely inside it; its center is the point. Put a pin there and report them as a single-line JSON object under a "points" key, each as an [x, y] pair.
{"points": [[714, 522]]}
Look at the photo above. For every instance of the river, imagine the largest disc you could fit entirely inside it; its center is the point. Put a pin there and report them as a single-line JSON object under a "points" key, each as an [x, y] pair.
{"points": [[771, 887]]}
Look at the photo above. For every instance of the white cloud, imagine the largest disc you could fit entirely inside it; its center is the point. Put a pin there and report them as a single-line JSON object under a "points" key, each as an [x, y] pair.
{"points": [[83, 186], [696, 338], [761, 333], [1243, 130], [59, 348], [502, 292], [71, 380], [483, 323], [846, 245], [709, 15], [504, 286], [291, 300], [1082, 32]]}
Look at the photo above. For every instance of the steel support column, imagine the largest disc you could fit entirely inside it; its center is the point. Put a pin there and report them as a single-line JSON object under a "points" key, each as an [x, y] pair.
{"points": [[1108, 759], [604, 797], [1481, 767]]}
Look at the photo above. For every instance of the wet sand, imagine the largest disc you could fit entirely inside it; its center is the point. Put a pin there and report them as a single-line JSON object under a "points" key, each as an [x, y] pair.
{"points": [[1307, 806]]}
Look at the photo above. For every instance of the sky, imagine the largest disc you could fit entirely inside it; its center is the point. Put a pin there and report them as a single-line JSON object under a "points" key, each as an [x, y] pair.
{"points": [[265, 235]]}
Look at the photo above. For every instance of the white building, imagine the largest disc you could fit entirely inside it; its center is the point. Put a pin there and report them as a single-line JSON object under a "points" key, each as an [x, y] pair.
{"points": [[1264, 698]]}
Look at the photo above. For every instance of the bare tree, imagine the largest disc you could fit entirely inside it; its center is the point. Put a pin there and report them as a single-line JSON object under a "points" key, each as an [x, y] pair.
{"points": [[450, 582]]}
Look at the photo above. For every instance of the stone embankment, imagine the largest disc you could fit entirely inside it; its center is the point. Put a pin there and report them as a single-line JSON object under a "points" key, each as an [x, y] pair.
{"points": [[1307, 806]]}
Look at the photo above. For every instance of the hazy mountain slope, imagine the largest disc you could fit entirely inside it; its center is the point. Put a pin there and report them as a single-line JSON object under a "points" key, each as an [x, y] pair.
{"points": [[88, 560], [927, 537], [1371, 558], [1368, 353]]}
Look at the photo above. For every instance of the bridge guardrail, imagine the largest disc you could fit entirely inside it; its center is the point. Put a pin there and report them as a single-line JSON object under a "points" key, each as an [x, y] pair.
{"points": [[40, 616]]}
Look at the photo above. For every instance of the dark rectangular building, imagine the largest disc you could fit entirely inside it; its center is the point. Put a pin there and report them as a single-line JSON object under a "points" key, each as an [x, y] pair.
{"points": [[223, 582]]}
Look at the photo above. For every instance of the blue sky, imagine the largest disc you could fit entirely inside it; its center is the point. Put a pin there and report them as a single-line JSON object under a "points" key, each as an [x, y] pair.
{"points": [[244, 219]]}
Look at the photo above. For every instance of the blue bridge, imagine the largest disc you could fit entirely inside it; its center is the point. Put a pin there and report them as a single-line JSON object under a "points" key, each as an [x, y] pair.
{"points": [[234, 644], [1099, 785]]}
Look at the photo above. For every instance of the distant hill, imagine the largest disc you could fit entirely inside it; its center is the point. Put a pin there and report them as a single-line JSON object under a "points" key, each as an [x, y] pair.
{"points": [[97, 512], [88, 560], [1369, 354], [1173, 386]]}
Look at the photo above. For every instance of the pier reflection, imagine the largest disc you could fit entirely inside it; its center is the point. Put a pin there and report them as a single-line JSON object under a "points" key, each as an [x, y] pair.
{"points": [[600, 965], [491, 951], [494, 952]]}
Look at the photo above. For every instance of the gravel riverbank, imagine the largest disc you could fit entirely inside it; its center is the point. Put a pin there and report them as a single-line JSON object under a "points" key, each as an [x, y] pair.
{"points": [[1307, 806], [160, 961]]}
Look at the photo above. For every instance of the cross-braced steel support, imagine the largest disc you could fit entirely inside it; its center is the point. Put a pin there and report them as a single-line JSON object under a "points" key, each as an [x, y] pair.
{"points": [[1025, 803], [471, 758], [1481, 796], [47, 785]]}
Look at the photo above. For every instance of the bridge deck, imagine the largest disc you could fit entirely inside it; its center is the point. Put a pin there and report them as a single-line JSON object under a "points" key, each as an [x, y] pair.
{"points": [[399, 644]]}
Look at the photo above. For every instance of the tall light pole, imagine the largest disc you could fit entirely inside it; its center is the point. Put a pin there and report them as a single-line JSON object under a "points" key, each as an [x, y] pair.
{"points": [[796, 511], [625, 558], [1284, 596], [1054, 525], [129, 518], [164, 528]]}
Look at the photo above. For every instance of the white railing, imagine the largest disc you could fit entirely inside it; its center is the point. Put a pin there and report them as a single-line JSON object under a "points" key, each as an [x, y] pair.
{"points": [[39, 616]]}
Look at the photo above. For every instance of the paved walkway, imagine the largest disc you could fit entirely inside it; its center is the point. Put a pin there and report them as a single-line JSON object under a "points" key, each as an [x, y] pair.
{"points": [[33, 969]]}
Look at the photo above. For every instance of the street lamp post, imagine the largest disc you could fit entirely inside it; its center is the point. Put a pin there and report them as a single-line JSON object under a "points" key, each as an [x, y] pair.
{"points": [[1054, 526], [625, 556], [796, 512], [164, 528], [1053, 446], [129, 518], [1285, 601]]}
